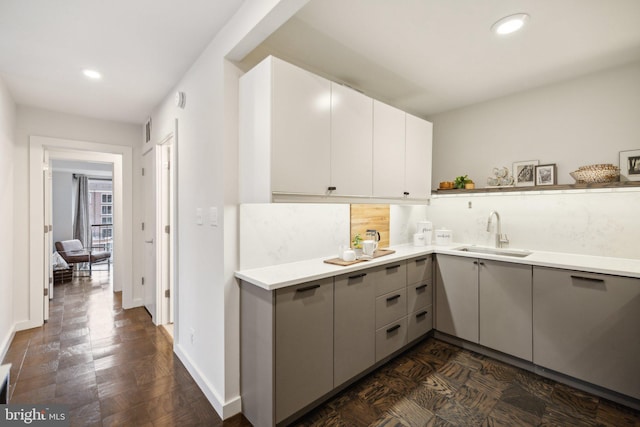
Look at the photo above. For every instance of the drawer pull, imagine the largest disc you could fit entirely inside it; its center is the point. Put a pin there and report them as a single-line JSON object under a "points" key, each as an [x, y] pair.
{"points": [[421, 287], [588, 279], [357, 276], [393, 298], [393, 328], [331, 188], [476, 262], [392, 267], [307, 288], [420, 260], [421, 314]]}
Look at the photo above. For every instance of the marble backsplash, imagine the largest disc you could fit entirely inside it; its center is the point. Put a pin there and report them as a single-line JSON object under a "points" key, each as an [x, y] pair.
{"points": [[603, 223]]}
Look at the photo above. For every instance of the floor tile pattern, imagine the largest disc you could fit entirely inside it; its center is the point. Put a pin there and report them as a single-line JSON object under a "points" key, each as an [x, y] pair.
{"points": [[437, 384], [113, 367]]}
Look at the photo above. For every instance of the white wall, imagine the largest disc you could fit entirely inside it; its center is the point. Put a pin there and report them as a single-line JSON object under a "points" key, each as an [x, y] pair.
{"points": [[31, 122], [7, 274], [206, 291], [62, 205], [578, 122]]}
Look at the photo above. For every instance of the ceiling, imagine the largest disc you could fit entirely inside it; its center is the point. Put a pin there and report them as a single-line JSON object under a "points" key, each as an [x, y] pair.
{"points": [[431, 56], [141, 47], [424, 56]]}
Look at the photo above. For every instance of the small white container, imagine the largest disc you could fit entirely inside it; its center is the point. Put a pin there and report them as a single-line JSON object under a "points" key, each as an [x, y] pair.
{"points": [[349, 255], [419, 239], [444, 237]]}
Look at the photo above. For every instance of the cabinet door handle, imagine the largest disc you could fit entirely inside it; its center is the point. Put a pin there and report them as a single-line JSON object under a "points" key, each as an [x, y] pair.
{"points": [[481, 263], [421, 287], [307, 288], [393, 328], [393, 297], [406, 193], [392, 267], [478, 262], [588, 279], [421, 314], [420, 260], [331, 188], [357, 276]]}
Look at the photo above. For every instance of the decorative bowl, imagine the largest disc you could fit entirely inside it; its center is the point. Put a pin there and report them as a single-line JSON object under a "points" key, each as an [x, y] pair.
{"points": [[600, 173]]}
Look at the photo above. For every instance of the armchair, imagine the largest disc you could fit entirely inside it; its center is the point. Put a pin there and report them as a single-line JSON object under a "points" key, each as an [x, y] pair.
{"points": [[73, 252]]}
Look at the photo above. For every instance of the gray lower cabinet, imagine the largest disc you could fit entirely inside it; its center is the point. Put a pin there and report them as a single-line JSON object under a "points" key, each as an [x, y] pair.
{"points": [[391, 338], [354, 334], [303, 345], [419, 323], [391, 277], [457, 297], [286, 346], [420, 270], [587, 326], [505, 307]]}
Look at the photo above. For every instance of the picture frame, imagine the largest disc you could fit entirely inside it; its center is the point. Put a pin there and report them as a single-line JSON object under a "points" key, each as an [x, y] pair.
{"points": [[546, 174], [524, 173], [630, 165]]}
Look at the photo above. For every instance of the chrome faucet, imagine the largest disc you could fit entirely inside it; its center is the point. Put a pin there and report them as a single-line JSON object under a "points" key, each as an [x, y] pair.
{"points": [[501, 239]]}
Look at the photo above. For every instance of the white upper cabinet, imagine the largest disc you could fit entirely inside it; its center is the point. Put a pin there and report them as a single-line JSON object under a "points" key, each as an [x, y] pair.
{"points": [[402, 146], [351, 142], [301, 120], [388, 150], [418, 157], [300, 133]]}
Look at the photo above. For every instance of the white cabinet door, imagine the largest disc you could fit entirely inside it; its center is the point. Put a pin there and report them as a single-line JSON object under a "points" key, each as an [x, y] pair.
{"points": [[301, 126], [351, 142], [388, 150], [418, 157]]}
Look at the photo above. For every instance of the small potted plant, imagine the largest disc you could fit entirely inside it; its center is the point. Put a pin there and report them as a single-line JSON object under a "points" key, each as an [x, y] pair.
{"points": [[357, 244], [463, 182]]}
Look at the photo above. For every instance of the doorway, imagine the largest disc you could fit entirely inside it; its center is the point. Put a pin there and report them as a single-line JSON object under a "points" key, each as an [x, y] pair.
{"points": [[42, 149]]}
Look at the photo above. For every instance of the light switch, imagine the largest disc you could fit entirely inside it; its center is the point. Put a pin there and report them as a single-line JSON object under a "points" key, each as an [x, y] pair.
{"points": [[199, 219], [213, 216]]}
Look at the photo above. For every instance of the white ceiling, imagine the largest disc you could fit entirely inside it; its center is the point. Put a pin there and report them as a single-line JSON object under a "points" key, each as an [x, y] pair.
{"points": [[424, 56], [141, 47], [430, 56]]}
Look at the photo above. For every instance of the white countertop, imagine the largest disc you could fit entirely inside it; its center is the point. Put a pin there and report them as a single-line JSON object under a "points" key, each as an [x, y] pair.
{"points": [[283, 275]]}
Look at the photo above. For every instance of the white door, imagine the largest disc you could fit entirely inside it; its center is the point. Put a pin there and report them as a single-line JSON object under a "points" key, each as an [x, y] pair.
{"points": [[149, 231], [48, 246], [165, 231]]}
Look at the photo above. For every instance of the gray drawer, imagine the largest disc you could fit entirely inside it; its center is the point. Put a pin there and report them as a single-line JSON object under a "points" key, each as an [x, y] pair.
{"points": [[419, 295], [391, 307], [390, 277], [420, 322], [420, 270], [390, 338]]}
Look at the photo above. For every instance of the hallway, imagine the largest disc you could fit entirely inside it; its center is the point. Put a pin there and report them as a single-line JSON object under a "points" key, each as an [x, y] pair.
{"points": [[111, 366]]}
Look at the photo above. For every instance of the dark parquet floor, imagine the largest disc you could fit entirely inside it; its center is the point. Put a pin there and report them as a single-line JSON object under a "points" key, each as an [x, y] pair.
{"points": [[113, 367]]}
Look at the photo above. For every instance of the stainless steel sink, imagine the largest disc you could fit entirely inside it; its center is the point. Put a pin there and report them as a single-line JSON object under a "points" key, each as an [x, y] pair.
{"points": [[491, 251]]}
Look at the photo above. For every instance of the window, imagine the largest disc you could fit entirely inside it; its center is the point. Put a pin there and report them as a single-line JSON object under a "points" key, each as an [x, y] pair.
{"points": [[107, 198], [107, 210], [107, 220], [107, 232]]}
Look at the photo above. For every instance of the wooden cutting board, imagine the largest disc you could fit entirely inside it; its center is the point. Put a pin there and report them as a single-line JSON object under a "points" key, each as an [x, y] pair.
{"points": [[370, 217], [376, 254]]}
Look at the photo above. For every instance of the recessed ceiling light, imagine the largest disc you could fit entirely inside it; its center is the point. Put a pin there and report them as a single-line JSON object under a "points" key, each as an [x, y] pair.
{"points": [[92, 74], [510, 24]]}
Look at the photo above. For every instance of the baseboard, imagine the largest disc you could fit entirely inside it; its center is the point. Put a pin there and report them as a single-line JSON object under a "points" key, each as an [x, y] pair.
{"points": [[27, 324], [224, 409], [6, 342]]}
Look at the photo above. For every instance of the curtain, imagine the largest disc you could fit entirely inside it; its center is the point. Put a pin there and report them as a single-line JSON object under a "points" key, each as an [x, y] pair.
{"points": [[81, 225]]}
